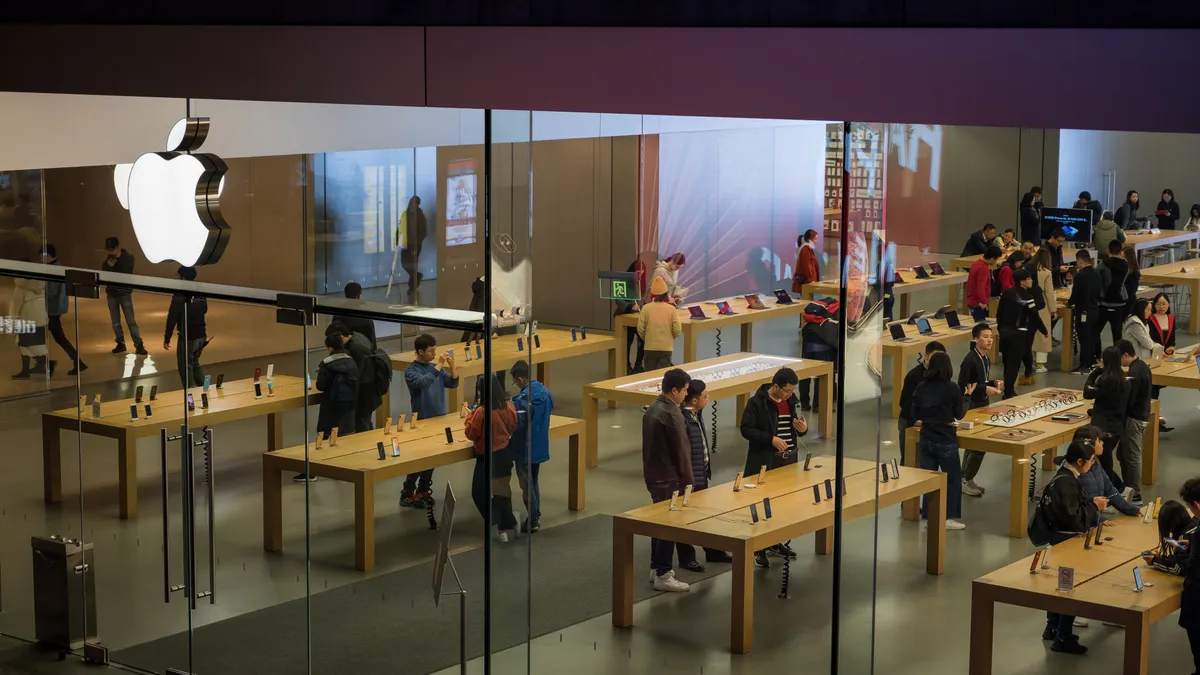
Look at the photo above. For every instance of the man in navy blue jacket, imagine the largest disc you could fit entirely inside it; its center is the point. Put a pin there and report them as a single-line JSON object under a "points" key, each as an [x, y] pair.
{"points": [[530, 443], [428, 377], [692, 406]]}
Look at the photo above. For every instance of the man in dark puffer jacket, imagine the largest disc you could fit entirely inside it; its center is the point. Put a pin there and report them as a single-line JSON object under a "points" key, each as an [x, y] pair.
{"points": [[697, 398]]}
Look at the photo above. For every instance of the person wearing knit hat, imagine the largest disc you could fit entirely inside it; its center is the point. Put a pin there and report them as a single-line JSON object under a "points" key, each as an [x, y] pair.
{"points": [[659, 325]]}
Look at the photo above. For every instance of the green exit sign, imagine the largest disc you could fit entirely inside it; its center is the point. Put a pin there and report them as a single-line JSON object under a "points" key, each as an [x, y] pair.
{"points": [[619, 286]]}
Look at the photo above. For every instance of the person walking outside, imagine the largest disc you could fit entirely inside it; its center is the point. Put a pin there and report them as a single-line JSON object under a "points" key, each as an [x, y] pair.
{"points": [[29, 303], [57, 305], [119, 299], [411, 239], [667, 469]]}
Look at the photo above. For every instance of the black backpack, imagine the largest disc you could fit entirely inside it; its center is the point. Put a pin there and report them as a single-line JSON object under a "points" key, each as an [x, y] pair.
{"points": [[1041, 531], [381, 371]]}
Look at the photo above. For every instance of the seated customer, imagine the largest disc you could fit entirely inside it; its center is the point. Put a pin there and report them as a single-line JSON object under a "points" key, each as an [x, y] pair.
{"points": [[979, 242]]}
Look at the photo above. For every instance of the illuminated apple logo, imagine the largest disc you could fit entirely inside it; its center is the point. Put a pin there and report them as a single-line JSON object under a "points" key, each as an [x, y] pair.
{"points": [[173, 198]]}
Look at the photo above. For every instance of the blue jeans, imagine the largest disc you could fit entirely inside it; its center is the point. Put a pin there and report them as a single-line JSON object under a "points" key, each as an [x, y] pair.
{"points": [[979, 314], [116, 305], [531, 493], [934, 456]]}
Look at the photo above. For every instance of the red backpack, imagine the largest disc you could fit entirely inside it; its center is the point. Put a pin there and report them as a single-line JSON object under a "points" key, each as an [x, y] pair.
{"points": [[820, 310]]}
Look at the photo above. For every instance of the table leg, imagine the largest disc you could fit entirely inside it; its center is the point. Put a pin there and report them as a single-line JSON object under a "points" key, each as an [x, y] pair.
{"points": [[364, 523], [1194, 322], [910, 509], [982, 625], [823, 541], [741, 620], [622, 575], [577, 475], [689, 343], [455, 398], [51, 461], [591, 420], [274, 431], [1150, 447], [748, 337], [905, 301], [272, 507], [1068, 346], [1048, 456], [542, 375], [1137, 652], [612, 373], [1018, 498], [953, 296], [825, 419], [382, 412], [897, 383], [935, 541], [620, 355], [127, 475]]}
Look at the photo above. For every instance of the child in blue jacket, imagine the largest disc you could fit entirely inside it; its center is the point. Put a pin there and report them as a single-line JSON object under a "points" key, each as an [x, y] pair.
{"points": [[531, 442]]}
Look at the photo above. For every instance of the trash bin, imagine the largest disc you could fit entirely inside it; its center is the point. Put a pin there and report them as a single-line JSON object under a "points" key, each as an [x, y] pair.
{"points": [[64, 592]]}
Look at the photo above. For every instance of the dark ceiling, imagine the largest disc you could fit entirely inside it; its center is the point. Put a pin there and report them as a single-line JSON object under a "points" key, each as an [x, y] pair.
{"points": [[699, 13]]}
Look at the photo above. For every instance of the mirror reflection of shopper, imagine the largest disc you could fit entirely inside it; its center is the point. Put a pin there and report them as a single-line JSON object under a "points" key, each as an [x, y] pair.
{"points": [[187, 355], [29, 303], [773, 426], [530, 443], [659, 325], [411, 238], [57, 305], [428, 377], [121, 300], [693, 407], [494, 503], [667, 468]]}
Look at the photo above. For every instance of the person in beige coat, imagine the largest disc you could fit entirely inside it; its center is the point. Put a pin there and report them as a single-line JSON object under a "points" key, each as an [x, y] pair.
{"points": [[1044, 264], [29, 303], [659, 325]]}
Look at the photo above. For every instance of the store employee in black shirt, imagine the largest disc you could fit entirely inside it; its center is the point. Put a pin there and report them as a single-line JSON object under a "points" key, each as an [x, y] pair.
{"points": [[937, 405], [911, 380], [975, 381], [1017, 317], [1085, 301]]}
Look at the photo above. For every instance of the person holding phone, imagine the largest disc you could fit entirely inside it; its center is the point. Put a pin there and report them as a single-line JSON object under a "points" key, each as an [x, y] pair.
{"points": [[428, 377], [1068, 511], [1176, 556], [1167, 211], [1096, 482], [937, 405], [498, 509], [976, 383], [913, 378]]}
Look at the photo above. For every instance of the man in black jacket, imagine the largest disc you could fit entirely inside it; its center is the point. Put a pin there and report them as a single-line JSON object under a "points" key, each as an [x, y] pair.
{"points": [[121, 300], [976, 369], [358, 346], [911, 380], [666, 466], [773, 427], [1129, 452], [1016, 318], [1059, 270], [979, 241], [187, 352], [1085, 303], [353, 291], [1031, 214]]}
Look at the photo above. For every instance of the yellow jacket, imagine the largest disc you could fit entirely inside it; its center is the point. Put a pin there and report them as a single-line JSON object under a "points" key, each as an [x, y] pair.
{"points": [[659, 325]]}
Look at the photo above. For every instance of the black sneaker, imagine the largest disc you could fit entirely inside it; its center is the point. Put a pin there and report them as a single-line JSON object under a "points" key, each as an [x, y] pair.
{"points": [[718, 557], [525, 529], [141, 351], [1081, 371], [119, 349], [1049, 633], [693, 566], [1163, 428], [760, 559], [778, 551], [806, 407], [1069, 646], [303, 478]]}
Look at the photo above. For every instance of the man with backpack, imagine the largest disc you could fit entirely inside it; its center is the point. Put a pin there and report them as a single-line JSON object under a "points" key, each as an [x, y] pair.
{"points": [[337, 379], [374, 374]]}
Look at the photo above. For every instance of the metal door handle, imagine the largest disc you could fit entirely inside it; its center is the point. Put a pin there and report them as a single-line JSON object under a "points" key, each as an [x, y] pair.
{"points": [[190, 511], [166, 518]]}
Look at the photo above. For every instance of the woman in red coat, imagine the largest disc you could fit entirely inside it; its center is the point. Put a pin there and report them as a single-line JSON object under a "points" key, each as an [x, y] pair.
{"points": [[808, 269]]}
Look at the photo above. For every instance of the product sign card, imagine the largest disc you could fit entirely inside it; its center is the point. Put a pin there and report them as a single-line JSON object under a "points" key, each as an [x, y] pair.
{"points": [[1066, 579]]}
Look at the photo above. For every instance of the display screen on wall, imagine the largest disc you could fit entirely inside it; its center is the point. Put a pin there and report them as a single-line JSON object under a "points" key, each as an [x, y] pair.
{"points": [[461, 191], [1077, 223]]}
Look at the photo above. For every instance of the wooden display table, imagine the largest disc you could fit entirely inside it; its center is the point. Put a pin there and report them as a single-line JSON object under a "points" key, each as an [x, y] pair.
{"points": [[1186, 274], [1046, 437], [743, 316], [235, 401], [355, 459], [556, 345], [719, 518], [901, 352], [1104, 591], [1066, 316], [1182, 374], [1141, 240], [723, 379], [951, 281]]}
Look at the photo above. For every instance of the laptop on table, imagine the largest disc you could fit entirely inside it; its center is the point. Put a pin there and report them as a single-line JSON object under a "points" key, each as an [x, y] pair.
{"points": [[783, 297], [920, 272], [753, 302], [723, 308], [925, 329], [936, 268], [897, 330], [696, 312], [953, 323]]}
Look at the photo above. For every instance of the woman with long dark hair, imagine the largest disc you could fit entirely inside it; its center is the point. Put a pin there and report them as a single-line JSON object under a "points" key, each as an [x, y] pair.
{"points": [[1133, 279], [499, 511], [1167, 211], [937, 405], [1043, 283], [1109, 390], [1162, 332], [1005, 274]]}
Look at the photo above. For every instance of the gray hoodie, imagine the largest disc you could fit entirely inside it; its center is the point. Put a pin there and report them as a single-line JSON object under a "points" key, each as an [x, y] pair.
{"points": [[1106, 231]]}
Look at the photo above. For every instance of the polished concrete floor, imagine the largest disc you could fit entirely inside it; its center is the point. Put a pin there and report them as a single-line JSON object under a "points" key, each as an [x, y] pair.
{"points": [[919, 623]]}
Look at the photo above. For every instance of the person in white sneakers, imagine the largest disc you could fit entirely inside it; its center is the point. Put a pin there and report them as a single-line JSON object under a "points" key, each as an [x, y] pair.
{"points": [[667, 468], [976, 372], [937, 405]]}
